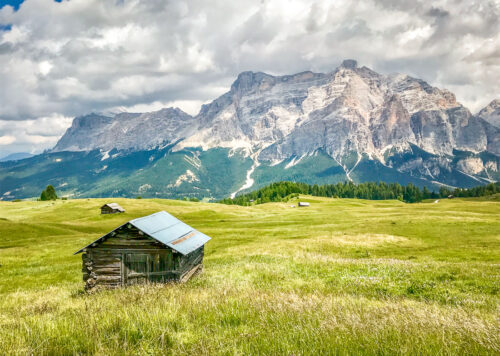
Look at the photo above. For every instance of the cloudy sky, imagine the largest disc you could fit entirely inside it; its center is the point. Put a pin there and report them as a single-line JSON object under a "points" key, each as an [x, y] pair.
{"points": [[60, 59]]}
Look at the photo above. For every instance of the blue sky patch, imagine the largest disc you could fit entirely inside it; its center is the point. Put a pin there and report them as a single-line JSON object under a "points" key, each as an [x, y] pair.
{"points": [[14, 3], [5, 28]]}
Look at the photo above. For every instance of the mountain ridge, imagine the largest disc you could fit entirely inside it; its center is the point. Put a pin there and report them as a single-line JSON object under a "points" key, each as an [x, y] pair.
{"points": [[16, 156], [233, 121], [349, 124]]}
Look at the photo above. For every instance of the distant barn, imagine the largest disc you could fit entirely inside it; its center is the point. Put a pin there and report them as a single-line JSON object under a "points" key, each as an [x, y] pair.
{"points": [[155, 248], [303, 203], [111, 208]]}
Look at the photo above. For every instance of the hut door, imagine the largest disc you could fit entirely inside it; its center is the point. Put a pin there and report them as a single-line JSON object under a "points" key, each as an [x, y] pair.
{"points": [[136, 268]]}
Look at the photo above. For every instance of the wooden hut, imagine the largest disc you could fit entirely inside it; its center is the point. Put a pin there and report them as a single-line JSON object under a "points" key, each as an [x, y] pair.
{"points": [[155, 248], [111, 208]]}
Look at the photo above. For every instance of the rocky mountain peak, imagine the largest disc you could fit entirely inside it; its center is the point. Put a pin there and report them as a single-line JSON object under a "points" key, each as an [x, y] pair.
{"points": [[125, 130], [493, 105], [349, 64], [90, 121], [249, 81], [491, 113], [350, 112]]}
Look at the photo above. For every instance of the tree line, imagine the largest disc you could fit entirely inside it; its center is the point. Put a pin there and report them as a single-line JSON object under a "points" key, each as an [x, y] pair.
{"points": [[282, 191]]}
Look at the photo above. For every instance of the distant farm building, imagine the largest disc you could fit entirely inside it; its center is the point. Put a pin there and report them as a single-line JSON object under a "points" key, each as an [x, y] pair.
{"points": [[111, 208], [155, 248], [303, 203]]}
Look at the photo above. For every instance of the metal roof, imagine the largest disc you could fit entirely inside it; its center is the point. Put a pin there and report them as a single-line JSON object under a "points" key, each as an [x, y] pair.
{"points": [[168, 230], [113, 206]]}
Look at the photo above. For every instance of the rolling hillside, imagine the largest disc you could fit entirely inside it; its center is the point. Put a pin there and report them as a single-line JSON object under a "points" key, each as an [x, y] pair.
{"points": [[342, 276]]}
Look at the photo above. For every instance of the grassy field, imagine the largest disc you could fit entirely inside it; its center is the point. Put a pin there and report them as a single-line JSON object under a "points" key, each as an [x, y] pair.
{"points": [[339, 277]]}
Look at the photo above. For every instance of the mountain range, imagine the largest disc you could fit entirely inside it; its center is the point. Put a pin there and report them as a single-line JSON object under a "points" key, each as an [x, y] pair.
{"points": [[16, 156], [350, 124]]}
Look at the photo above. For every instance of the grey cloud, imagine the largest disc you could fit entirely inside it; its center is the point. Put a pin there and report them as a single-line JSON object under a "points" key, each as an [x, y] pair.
{"points": [[6, 48], [437, 12], [98, 55], [352, 28]]}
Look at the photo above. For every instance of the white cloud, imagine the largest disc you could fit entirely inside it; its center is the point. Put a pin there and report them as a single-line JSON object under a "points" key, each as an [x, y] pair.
{"points": [[17, 34], [45, 67], [192, 107], [82, 56], [7, 140], [32, 136]]}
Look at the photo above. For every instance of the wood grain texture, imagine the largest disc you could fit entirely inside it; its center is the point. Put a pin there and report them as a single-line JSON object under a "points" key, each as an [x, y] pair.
{"points": [[129, 258]]}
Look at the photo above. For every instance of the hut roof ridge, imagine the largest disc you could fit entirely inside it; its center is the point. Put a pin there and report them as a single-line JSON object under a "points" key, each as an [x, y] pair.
{"points": [[113, 206], [166, 229]]}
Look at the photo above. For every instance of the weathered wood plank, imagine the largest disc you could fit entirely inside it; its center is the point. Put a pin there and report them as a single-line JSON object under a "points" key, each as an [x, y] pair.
{"points": [[189, 273], [113, 264], [127, 248], [116, 264], [107, 259], [105, 254], [105, 250], [107, 270], [128, 242], [115, 278], [109, 263]]}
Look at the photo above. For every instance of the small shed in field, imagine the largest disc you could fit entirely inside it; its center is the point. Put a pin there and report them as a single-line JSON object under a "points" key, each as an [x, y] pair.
{"points": [[303, 203], [155, 248], [112, 208]]}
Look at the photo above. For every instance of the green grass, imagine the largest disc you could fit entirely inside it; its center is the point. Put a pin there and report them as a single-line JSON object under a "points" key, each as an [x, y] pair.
{"points": [[340, 277]]}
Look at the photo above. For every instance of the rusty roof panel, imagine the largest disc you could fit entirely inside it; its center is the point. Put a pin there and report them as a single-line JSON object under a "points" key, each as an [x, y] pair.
{"points": [[193, 241]]}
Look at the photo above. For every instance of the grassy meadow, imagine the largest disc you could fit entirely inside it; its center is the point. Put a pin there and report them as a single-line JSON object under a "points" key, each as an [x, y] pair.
{"points": [[343, 276]]}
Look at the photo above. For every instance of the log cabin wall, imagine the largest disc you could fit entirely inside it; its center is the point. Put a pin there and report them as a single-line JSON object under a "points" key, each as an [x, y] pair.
{"points": [[189, 262], [108, 210], [129, 257]]}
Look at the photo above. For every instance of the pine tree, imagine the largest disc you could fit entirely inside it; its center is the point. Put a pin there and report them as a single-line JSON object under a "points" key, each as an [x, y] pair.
{"points": [[49, 193], [283, 191]]}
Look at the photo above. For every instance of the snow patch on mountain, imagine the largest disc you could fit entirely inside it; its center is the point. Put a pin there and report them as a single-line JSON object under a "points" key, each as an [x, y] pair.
{"points": [[188, 177], [105, 155], [249, 182], [194, 160], [294, 161]]}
